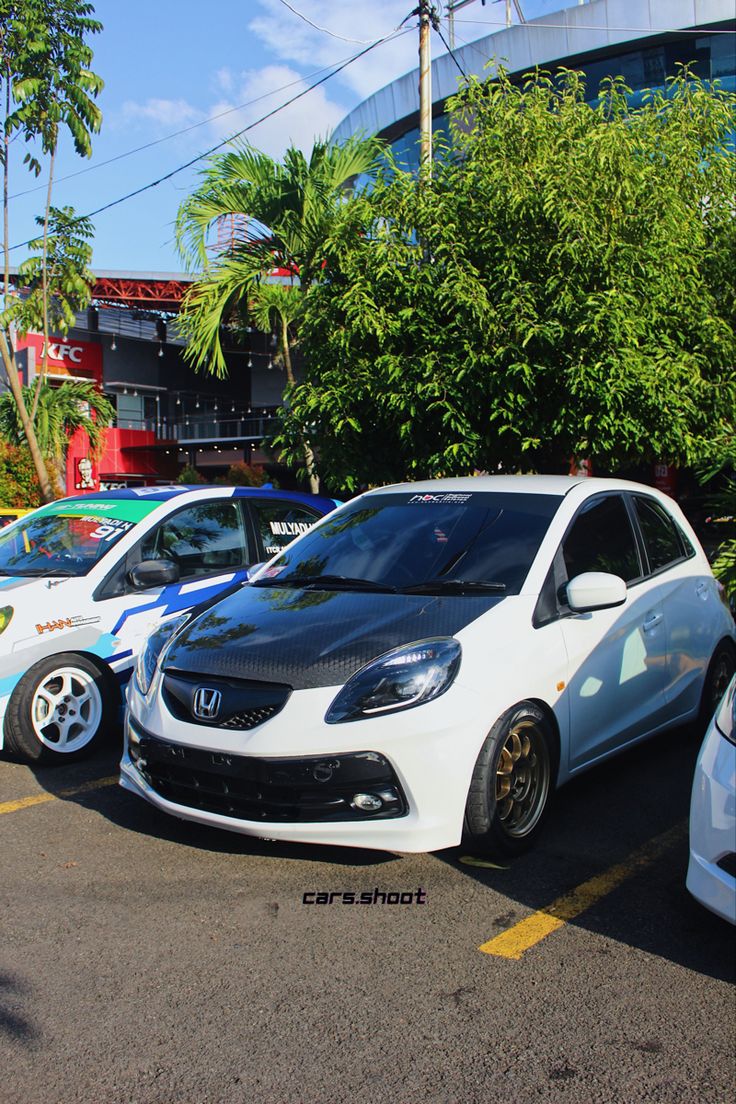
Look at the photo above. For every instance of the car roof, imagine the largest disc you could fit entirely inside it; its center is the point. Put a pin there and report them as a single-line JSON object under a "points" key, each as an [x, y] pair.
{"points": [[559, 485], [164, 494], [517, 484]]}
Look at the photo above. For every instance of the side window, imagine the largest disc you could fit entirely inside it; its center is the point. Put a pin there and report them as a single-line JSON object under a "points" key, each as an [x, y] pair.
{"points": [[278, 523], [202, 540], [601, 539], [661, 536]]}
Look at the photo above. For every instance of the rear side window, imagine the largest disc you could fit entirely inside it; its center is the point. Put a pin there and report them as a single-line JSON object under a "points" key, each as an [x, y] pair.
{"points": [[601, 539], [662, 538], [278, 523]]}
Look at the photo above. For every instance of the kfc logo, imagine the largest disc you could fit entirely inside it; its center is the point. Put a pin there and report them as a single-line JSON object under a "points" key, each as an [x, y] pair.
{"points": [[63, 353], [85, 480]]}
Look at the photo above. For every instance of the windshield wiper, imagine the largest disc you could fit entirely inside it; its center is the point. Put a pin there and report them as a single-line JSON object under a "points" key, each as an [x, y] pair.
{"points": [[454, 586], [326, 582], [35, 572]]}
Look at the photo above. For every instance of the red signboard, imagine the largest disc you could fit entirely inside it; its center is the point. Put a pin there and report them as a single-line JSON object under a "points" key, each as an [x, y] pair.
{"points": [[67, 357], [665, 478]]}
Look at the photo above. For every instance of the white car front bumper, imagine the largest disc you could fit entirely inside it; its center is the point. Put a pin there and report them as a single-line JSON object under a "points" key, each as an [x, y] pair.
{"points": [[431, 750], [710, 875]]}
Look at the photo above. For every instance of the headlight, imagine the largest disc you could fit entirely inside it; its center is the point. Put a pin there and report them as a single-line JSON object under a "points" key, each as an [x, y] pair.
{"points": [[5, 614], [400, 679], [152, 649]]}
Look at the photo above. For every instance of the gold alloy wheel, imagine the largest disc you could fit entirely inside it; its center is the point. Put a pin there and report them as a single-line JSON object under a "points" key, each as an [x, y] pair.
{"points": [[720, 678], [522, 778]]}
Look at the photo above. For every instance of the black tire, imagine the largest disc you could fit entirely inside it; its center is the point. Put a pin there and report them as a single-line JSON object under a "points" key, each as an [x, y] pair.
{"points": [[720, 671], [60, 710], [512, 783]]}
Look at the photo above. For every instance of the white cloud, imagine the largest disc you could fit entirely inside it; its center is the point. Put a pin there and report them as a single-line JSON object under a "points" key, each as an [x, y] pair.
{"points": [[163, 115], [314, 115], [291, 39]]}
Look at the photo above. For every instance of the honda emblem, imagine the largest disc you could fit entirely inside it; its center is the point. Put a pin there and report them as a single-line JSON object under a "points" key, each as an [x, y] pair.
{"points": [[206, 703]]}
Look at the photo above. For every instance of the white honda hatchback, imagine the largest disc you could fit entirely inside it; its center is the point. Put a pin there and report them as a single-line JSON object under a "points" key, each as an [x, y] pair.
{"points": [[432, 659]]}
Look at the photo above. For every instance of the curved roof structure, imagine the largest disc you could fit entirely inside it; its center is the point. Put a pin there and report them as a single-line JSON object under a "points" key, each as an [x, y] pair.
{"points": [[581, 32]]}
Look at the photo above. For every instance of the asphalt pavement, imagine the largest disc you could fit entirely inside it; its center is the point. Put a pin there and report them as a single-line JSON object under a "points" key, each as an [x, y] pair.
{"points": [[145, 960]]}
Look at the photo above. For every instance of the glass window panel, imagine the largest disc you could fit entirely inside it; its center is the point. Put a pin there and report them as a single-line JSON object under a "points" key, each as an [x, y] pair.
{"points": [[202, 540], [602, 539]]}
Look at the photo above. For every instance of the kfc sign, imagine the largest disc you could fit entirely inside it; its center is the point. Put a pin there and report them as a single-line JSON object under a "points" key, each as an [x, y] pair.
{"points": [[62, 353], [66, 358], [85, 478]]}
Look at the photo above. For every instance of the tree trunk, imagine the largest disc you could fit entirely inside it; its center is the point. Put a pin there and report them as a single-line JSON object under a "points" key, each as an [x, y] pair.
{"points": [[47, 490], [7, 353], [306, 447], [45, 288]]}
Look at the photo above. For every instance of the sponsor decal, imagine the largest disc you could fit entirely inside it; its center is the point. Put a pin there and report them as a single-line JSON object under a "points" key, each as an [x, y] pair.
{"points": [[74, 622], [128, 510], [289, 528], [143, 491], [448, 498]]}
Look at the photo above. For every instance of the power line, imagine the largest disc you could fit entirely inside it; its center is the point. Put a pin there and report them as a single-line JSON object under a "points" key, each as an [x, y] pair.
{"points": [[174, 134], [225, 141], [325, 30], [451, 52]]}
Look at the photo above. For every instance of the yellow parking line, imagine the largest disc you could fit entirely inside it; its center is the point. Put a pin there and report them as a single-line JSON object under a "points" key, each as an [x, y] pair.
{"points": [[40, 799], [515, 941]]}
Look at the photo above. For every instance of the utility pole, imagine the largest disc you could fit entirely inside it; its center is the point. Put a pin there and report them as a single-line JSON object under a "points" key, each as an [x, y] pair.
{"points": [[425, 89]]}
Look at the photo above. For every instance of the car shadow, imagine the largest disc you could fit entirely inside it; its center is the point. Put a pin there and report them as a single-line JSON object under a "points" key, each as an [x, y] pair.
{"points": [[596, 822], [14, 1024]]}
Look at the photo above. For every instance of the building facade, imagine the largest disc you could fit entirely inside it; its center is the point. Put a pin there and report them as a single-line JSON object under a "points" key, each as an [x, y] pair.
{"points": [[641, 41], [167, 415]]}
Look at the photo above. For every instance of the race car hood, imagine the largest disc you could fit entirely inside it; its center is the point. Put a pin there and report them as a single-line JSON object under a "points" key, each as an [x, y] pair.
{"points": [[23, 586], [307, 638]]}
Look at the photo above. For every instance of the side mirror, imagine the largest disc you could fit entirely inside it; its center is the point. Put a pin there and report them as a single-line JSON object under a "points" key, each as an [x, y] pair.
{"points": [[154, 573], [595, 590]]}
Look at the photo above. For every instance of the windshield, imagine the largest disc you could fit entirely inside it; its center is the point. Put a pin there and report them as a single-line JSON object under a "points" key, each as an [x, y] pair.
{"points": [[67, 537], [445, 543]]}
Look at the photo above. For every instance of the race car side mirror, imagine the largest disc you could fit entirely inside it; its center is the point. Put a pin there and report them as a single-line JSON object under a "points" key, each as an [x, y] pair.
{"points": [[154, 573]]}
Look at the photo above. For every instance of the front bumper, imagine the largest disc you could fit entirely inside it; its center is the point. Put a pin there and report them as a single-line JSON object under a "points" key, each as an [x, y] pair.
{"points": [[711, 874], [245, 787], [262, 782]]}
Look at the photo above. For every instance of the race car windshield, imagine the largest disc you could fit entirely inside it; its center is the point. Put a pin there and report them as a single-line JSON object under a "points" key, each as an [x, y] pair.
{"points": [[58, 544], [445, 544]]}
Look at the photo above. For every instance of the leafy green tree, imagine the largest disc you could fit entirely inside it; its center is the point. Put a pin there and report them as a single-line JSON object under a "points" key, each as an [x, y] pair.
{"points": [[63, 266], [564, 287], [47, 88], [61, 411], [721, 463], [290, 208], [18, 480], [241, 474]]}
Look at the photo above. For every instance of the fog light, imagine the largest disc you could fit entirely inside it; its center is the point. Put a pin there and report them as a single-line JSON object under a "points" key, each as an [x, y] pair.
{"points": [[367, 803]]}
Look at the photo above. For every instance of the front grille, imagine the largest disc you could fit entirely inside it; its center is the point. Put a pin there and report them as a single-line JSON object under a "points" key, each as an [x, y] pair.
{"points": [[313, 788], [244, 703], [249, 718]]}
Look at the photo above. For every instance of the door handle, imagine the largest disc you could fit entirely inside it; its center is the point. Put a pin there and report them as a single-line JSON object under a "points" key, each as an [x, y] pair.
{"points": [[702, 589], [651, 621]]}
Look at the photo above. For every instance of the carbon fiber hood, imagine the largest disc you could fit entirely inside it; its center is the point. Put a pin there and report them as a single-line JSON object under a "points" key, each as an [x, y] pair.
{"points": [[309, 638]]}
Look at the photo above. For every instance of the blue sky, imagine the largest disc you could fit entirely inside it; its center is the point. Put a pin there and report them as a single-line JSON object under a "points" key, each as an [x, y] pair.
{"points": [[172, 64]]}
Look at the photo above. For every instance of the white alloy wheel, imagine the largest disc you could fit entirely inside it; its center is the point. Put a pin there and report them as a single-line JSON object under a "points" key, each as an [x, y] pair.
{"points": [[66, 709]]}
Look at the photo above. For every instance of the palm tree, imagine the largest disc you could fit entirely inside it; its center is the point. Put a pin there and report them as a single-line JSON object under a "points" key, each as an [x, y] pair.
{"points": [[61, 411], [290, 208]]}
